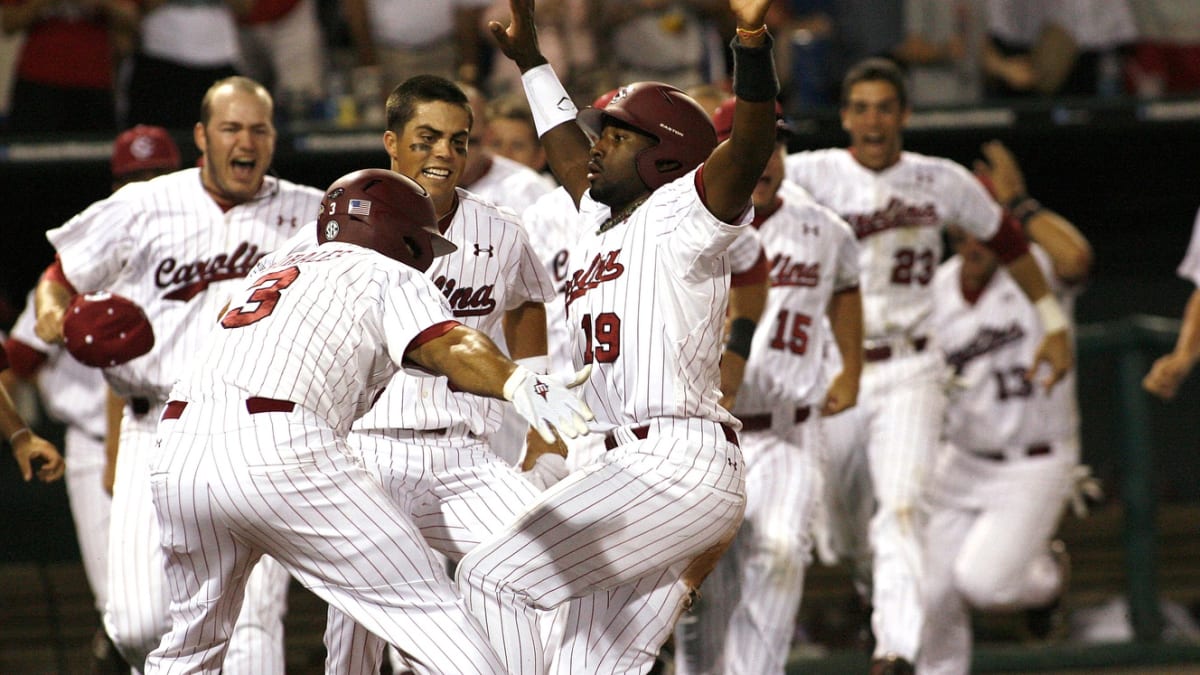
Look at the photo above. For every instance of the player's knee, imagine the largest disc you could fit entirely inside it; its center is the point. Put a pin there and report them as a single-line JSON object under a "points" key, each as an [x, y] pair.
{"points": [[983, 589], [782, 557]]}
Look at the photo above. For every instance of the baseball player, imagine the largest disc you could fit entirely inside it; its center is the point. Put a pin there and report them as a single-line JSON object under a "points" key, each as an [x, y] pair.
{"points": [[76, 395], [429, 444], [898, 202], [255, 458], [27, 447], [625, 540], [1006, 469], [1170, 370], [746, 618], [175, 245]]}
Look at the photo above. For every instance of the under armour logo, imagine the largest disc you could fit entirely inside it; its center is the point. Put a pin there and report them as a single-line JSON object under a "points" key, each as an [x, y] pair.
{"points": [[541, 389], [809, 229], [489, 250], [565, 104], [924, 178], [291, 221]]}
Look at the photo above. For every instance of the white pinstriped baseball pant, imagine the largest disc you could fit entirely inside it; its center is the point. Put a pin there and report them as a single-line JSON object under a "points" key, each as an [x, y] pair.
{"points": [[896, 424], [236, 486], [457, 492], [745, 617], [624, 540], [91, 507], [137, 616], [987, 544]]}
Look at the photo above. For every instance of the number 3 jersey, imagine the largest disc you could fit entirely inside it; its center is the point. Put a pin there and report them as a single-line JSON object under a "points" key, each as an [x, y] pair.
{"points": [[645, 304], [988, 346], [813, 254], [898, 215]]}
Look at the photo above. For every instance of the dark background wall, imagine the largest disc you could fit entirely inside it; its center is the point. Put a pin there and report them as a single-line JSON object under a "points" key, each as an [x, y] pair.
{"points": [[1131, 184]]}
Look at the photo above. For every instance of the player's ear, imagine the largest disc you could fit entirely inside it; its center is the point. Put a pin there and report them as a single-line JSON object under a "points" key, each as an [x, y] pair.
{"points": [[198, 137], [390, 143]]}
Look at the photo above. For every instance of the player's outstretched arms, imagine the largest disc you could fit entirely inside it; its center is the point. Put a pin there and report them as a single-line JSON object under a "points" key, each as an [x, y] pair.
{"points": [[734, 167], [1170, 370], [473, 363], [567, 147], [845, 316]]}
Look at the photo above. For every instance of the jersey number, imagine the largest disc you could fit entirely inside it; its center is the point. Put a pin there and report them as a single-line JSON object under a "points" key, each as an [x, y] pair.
{"points": [[791, 333], [910, 265], [266, 295], [1012, 383], [603, 337]]}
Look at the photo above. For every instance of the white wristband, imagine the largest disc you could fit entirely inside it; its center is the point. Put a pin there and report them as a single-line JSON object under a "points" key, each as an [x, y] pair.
{"points": [[1051, 313], [548, 100], [518, 376], [13, 439], [538, 364]]}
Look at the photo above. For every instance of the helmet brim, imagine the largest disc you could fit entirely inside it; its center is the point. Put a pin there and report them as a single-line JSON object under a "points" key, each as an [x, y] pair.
{"points": [[442, 246]]}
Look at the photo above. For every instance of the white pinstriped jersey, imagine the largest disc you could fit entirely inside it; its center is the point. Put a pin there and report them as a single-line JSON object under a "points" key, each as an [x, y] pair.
{"points": [[1190, 267], [898, 215], [166, 245], [325, 328], [646, 306], [510, 184], [813, 255], [72, 393], [988, 346], [554, 226], [493, 270]]}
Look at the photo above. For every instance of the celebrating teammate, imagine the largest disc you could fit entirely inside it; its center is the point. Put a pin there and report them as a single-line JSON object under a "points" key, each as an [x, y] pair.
{"points": [[175, 245], [626, 539], [745, 621], [1000, 485], [428, 442], [77, 396], [897, 202], [1170, 370], [255, 460]]}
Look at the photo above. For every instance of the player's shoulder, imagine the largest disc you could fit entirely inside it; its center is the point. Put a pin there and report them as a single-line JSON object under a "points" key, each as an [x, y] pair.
{"points": [[942, 168], [287, 187], [800, 203], [473, 204]]}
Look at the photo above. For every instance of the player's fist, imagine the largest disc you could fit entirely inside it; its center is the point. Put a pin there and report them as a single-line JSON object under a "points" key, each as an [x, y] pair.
{"points": [[1167, 373], [548, 403], [842, 394], [1055, 352]]}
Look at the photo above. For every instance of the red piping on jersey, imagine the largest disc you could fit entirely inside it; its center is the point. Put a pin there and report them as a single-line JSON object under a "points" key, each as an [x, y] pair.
{"points": [[23, 358], [444, 221], [54, 272], [434, 332], [1009, 242], [761, 215]]}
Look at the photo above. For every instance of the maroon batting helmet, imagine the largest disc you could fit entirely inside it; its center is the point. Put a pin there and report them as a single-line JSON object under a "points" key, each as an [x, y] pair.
{"points": [[384, 211], [683, 130]]}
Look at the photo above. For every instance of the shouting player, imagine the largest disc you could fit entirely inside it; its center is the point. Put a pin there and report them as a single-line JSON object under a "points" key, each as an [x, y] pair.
{"points": [[898, 202], [626, 539], [255, 459], [176, 245]]}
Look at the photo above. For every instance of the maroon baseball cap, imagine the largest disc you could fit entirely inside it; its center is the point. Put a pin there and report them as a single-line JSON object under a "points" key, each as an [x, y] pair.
{"points": [[723, 121], [144, 148], [105, 329]]}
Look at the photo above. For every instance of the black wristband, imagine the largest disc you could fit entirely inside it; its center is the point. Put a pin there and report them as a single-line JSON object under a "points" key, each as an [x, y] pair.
{"points": [[741, 334], [754, 77], [1023, 208]]}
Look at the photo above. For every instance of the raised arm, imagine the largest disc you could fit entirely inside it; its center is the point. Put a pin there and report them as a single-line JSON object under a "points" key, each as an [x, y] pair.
{"points": [[566, 145], [736, 165]]}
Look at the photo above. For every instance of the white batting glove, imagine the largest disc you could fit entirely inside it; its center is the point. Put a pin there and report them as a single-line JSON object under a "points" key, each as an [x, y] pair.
{"points": [[547, 470], [548, 403], [1084, 487]]}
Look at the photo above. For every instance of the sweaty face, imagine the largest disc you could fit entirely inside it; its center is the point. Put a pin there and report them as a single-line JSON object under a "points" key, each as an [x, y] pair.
{"points": [[515, 140], [874, 119], [238, 143], [432, 149], [768, 183], [612, 169]]}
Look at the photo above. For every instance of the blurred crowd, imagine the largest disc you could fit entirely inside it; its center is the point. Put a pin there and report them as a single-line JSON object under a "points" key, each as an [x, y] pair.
{"points": [[105, 65]]}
